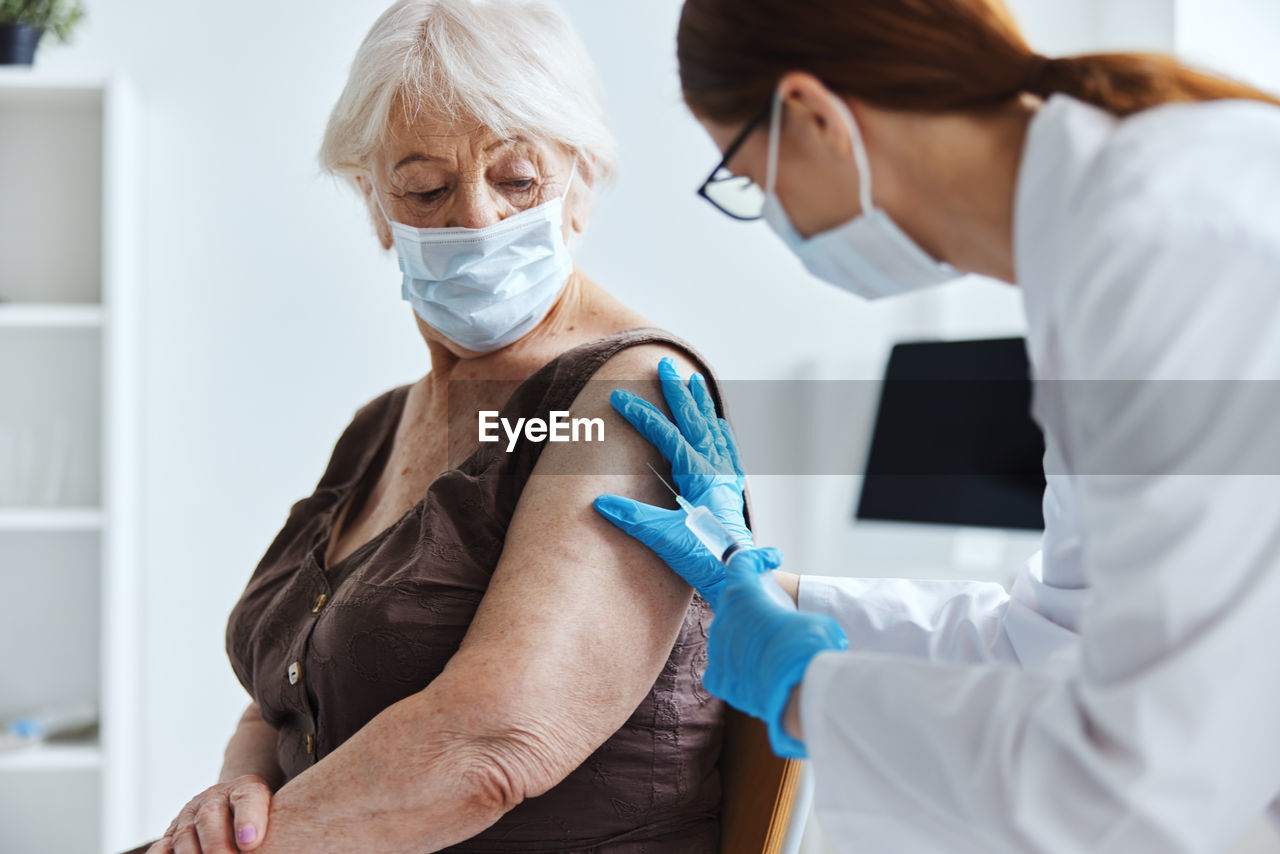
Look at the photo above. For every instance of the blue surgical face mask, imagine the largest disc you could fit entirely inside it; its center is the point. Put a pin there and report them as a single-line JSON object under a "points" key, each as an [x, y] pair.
{"points": [[485, 288], [869, 255]]}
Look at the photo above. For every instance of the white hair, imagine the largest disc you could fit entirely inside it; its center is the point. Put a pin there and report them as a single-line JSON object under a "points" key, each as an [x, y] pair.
{"points": [[515, 66]]}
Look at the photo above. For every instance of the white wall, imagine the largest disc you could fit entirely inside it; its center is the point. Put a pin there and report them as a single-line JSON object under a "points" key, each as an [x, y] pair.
{"points": [[271, 314], [1237, 37]]}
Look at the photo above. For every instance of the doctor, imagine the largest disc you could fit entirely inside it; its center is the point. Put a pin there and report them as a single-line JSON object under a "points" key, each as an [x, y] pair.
{"points": [[1126, 696]]}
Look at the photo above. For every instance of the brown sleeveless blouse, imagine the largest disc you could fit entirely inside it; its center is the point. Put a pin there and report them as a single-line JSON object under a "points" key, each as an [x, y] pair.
{"points": [[325, 649]]}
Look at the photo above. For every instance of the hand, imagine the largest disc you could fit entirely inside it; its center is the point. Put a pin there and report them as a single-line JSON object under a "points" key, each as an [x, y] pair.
{"points": [[223, 819], [705, 467], [758, 649]]}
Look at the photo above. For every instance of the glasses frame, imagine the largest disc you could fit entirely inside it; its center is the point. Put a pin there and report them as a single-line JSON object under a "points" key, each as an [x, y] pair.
{"points": [[729, 152]]}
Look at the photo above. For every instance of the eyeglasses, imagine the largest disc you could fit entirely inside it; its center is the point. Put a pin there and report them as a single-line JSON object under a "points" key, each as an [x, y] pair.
{"points": [[736, 195]]}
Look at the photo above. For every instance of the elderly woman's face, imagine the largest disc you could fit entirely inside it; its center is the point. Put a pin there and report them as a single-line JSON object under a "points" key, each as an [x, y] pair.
{"points": [[437, 173]]}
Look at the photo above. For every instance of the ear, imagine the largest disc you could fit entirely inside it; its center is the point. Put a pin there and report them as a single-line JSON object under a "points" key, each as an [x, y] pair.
{"points": [[380, 226], [813, 115]]}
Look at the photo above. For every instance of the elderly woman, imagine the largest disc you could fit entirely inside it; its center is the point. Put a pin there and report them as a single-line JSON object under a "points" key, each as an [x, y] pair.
{"points": [[427, 666]]}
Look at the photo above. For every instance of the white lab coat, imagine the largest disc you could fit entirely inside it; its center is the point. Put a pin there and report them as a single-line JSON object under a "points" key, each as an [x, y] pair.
{"points": [[964, 720]]}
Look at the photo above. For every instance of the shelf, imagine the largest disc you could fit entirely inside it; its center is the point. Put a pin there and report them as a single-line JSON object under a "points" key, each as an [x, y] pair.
{"points": [[70, 454], [71, 756], [50, 315], [26, 84], [29, 519], [24, 76]]}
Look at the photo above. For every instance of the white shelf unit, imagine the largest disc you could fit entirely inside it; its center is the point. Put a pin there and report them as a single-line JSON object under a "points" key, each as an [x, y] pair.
{"points": [[69, 454], [52, 757], [49, 519], [50, 316]]}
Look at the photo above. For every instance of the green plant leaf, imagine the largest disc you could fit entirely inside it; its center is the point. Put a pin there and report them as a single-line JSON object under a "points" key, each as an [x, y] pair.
{"points": [[59, 17]]}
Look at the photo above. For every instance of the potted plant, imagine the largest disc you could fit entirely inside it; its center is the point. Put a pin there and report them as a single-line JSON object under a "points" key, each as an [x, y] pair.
{"points": [[23, 22]]}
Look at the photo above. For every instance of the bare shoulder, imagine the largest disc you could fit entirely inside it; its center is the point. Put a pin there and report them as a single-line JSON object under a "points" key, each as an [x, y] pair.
{"points": [[635, 369], [640, 363], [620, 449]]}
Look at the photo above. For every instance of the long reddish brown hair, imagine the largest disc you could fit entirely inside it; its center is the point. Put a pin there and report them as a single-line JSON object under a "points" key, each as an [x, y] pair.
{"points": [[935, 55]]}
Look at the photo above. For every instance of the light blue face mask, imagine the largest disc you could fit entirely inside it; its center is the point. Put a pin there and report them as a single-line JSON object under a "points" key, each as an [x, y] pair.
{"points": [[485, 288], [869, 255]]}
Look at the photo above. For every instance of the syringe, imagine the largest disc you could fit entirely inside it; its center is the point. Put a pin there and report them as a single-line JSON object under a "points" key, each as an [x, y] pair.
{"points": [[712, 533]]}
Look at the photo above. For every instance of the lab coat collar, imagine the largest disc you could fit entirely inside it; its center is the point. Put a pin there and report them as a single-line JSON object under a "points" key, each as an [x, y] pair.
{"points": [[1063, 140]]}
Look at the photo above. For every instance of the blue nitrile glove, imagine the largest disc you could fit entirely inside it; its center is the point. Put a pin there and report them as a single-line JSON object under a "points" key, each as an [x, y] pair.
{"points": [[757, 649], [705, 468]]}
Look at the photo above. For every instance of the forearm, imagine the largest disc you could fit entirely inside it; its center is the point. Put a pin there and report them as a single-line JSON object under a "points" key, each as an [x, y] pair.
{"points": [[790, 584], [252, 750], [957, 621], [411, 780]]}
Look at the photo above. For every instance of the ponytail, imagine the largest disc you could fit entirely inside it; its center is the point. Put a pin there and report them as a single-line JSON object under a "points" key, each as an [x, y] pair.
{"points": [[1128, 83], [928, 55]]}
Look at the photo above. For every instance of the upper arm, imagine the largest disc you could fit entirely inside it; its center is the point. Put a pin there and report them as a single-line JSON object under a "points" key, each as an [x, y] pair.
{"points": [[579, 619]]}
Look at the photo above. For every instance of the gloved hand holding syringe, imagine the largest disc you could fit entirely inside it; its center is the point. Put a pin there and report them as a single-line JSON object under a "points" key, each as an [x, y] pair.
{"points": [[759, 642], [697, 539], [722, 544]]}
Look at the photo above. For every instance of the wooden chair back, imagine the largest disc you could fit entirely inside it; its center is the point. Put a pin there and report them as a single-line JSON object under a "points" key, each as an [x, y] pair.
{"points": [[759, 789]]}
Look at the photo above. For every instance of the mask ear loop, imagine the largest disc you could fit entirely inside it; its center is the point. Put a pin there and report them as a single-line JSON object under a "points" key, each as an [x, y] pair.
{"points": [[378, 202], [860, 160], [775, 135], [573, 173], [571, 243]]}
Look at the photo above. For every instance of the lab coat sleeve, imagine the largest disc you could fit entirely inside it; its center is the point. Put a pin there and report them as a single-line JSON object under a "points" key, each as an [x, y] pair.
{"points": [[954, 621], [1164, 739]]}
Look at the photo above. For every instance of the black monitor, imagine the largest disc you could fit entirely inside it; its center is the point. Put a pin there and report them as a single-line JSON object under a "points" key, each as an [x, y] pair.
{"points": [[954, 442]]}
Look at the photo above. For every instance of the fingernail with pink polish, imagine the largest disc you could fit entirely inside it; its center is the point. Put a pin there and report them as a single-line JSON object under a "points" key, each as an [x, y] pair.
{"points": [[246, 834]]}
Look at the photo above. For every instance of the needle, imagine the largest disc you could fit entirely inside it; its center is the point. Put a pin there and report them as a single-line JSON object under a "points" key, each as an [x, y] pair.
{"points": [[680, 499], [663, 479]]}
